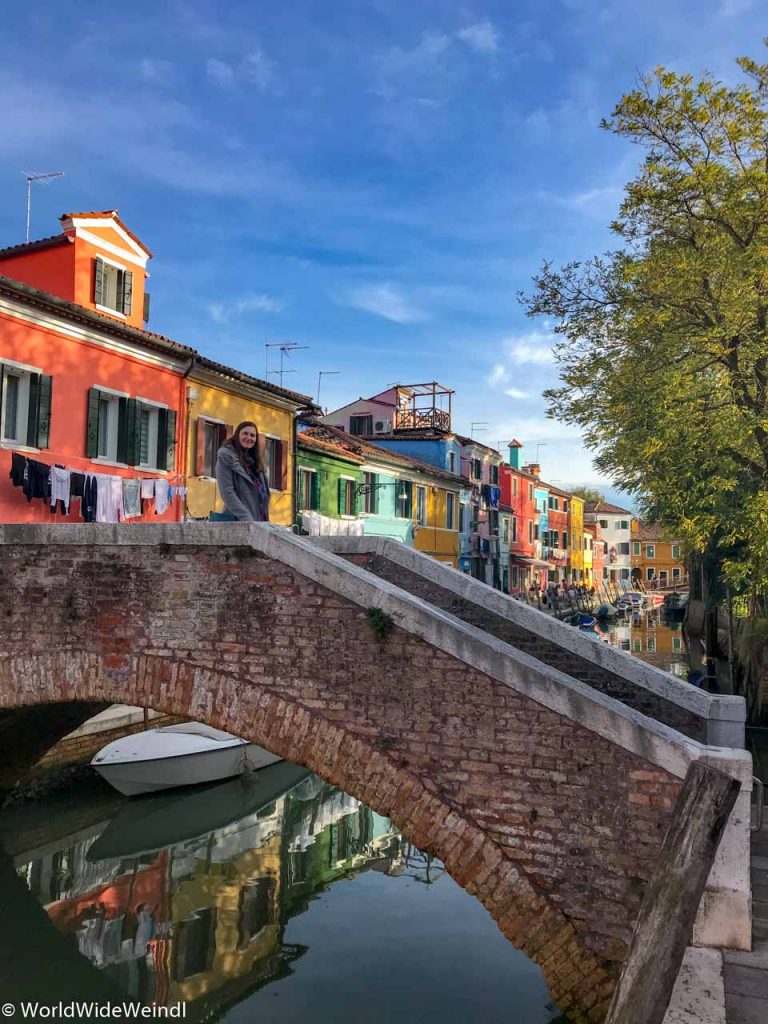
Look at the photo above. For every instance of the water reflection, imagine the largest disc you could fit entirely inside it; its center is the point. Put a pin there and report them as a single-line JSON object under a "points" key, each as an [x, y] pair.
{"points": [[653, 636], [206, 896]]}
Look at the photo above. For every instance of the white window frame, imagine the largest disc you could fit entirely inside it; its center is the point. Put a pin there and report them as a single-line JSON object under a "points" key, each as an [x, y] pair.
{"points": [[22, 407], [450, 511], [113, 422], [348, 480], [267, 466], [421, 505], [154, 426], [310, 472], [676, 574], [113, 311], [451, 462], [650, 550]]}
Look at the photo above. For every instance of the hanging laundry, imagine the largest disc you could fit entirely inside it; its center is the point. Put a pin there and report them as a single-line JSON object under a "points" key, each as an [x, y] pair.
{"points": [[131, 499], [76, 484], [60, 482], [147, 488], [37, 480], [161, 496], [18, 469], [90, 498], [109, 502]]}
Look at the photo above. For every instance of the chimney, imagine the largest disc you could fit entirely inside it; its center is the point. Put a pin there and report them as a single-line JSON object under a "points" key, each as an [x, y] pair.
{"points": [[534, 469], [515, 453]]}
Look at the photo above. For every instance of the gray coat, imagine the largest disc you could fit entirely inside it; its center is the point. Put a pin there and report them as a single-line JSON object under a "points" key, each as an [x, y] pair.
{"points": [[239, 490]]}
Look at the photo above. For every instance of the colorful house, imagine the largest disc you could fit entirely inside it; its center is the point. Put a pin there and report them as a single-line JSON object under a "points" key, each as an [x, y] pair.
{"points": [[517, 492], [656, 557], [217, 399], [576, 538], [615, 529], [83, 387], [558, 537]]}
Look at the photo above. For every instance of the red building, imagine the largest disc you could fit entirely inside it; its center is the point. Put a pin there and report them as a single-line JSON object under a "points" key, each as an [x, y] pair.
{"points": [[557, 540], [517, 491], [592, 530], [83, 387]]}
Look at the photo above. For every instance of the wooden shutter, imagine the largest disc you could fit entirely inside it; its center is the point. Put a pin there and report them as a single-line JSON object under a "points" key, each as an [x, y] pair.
{"points": [[92, 427], [261, 445], [127, 304], [145, 315], [98, 282], [169, 454], [315, 491], [340, 491], [44, 394], [129, 432], [34, 394], [200, 466], [161, 455], [282, 461]]}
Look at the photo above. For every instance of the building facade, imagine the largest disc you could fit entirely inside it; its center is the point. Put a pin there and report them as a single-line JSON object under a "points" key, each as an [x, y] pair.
{"points": [[616, 531], [657, 559]]}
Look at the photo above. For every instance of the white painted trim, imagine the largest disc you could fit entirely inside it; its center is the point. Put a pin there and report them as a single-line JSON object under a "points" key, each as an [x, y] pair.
{"points": [[272, 437], [111, 391], [108, 309], [310, 469], [152, 402], [20, 366], [13, 446], [108, 462], [353, 479], [210, 419], [114, 263], [101, 243], [18, 312]]}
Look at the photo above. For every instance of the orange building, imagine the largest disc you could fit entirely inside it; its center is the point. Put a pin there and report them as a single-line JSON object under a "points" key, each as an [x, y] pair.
{"points": [[656, 558], [82, 386]]}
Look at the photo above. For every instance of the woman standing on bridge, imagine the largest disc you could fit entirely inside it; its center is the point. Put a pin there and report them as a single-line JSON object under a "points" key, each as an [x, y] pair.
{"points": [[240, 475]]}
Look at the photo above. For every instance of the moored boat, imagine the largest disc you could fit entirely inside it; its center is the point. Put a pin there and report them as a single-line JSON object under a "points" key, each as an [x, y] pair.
{"points": [[177, 755]]}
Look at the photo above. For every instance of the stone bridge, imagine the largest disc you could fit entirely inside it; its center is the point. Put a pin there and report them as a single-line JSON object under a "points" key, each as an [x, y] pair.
{"points": [[522, 755]]}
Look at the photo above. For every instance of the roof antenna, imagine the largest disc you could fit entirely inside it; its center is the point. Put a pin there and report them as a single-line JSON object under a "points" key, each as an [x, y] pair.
{"points": [[44, 179]]}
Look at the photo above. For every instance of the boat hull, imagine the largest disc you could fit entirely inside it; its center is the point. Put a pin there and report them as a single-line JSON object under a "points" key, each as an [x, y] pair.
{"points": [[132, 778]]}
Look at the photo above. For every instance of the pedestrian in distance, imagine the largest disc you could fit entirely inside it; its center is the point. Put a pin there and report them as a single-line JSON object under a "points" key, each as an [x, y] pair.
{"points": [[241, 478]]}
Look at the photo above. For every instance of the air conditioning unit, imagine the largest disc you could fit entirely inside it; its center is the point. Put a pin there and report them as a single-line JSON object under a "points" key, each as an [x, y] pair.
{"points": [[382, 426]]}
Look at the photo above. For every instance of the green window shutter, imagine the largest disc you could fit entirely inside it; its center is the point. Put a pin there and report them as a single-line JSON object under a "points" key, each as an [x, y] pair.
{"points": [[92, 428], [340, 491], [129, 432], [98, 282], [315, 490], [166, 438], [44, 394], [34, 402], [127, 305]]}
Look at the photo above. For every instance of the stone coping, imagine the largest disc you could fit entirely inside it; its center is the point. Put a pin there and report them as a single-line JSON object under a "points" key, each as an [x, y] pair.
{"points": [[725, 715]]}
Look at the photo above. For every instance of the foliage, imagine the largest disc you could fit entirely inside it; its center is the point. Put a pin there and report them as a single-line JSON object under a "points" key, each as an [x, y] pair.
{"points": [[664, 342], [381, 624], [588, 493]]}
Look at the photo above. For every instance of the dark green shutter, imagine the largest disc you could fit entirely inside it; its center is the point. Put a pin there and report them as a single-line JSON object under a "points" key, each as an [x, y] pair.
{"points": [[129, 432], [340, 490], [98, 282], [166, 438], [358, 499], [44, 394], [34, 401], [315, 486], [127, 305], [146, 307], [92, 428]]}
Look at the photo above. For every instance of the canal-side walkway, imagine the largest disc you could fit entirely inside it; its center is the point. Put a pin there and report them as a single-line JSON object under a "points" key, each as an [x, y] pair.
{"points": [[746, 974]]}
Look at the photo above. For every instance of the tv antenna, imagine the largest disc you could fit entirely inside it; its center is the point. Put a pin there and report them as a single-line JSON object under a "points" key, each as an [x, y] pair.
{"points": [[286, 347], [477, 425], [321, 374], [45, 178]]}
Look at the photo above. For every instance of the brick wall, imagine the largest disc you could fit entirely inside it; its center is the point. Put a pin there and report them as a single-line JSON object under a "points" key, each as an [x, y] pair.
{"points": [[567, 661], [556, 829], [79, 749]]}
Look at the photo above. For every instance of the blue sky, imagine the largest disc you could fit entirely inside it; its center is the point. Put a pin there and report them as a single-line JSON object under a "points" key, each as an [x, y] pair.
{"points": [[373, 179]]}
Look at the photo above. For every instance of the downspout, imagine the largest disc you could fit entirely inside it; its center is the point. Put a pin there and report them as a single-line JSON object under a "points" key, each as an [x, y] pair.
{"points": [[184, 432]]}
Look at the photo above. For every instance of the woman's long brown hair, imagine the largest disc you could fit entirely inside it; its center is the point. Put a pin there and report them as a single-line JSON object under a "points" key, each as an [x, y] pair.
{"points": [[254, 455]]}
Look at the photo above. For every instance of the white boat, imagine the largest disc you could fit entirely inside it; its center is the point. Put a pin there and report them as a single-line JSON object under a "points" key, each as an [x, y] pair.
{"points": [[177, 755]]}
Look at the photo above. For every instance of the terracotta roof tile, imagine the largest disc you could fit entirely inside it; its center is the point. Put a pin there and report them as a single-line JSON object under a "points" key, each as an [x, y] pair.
{"points": [[39, 243], [605, 506]]}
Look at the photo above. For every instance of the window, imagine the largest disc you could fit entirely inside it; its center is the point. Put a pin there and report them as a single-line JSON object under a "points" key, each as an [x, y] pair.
{"points": [[494, 475], [624, 574], [624, 524], [635, 547], [554, 538], [210, 436], [650, 572], [309, 490], [565, 505], [505, 529], [404, 503], [623, 548], [530, 532], [370, 494], [637, 645], [129, 430], [536, 531], [650, 550], [113, 287], [514, 530], [451, 462], [25, 402], [677, 643], [421, 506], [603, 524], [514, 486], [605, 572], [346, 497], [194, 944], [676, 552], [360, 426], [530, 492], [565, 540], [450, 511], [675, 574], [477, 469], [650, 643], [256, 909], [554, 503], [462, 517]]}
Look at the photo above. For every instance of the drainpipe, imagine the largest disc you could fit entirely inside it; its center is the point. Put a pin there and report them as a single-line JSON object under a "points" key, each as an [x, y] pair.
{"points": [[184, 433]]}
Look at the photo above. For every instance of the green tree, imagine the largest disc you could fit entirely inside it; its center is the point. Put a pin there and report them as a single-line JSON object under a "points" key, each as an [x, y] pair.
{"points": [[588, 493], [663, 354]]}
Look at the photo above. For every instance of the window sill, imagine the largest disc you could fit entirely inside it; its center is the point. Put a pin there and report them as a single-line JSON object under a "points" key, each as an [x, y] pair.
{"points": [[16, 446], [112, 312]]}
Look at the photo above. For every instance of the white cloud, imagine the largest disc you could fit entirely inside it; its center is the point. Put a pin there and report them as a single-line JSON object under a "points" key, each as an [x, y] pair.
{"points": [[387, 301], [534, 347], [498, 374], [515, 393], [220, 73], [257, 69], [158, 72], [481, 36], [223, 312]]}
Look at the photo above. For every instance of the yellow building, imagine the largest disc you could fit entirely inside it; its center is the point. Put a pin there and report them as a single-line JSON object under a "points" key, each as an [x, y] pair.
{"points": [[576, 535], [587, 543], [218, 398], [657, 559]]}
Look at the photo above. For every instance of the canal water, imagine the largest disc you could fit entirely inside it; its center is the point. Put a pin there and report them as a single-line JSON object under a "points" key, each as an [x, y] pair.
{"points": [[276, 898]]}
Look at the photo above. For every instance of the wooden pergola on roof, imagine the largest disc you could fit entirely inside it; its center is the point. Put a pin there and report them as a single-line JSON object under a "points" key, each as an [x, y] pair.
{"points": [[423, 405]]}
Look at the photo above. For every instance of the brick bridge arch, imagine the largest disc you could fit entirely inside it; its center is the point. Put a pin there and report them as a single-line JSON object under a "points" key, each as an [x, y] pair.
{"points": [[530, 803]]}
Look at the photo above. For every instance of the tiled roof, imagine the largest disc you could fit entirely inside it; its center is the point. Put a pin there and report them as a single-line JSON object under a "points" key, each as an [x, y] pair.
{"points": [[306, 439], [477, 444], [71, 311], [368, 450], [653, 531], [605, 506], [417, 434], [39, 243]]}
